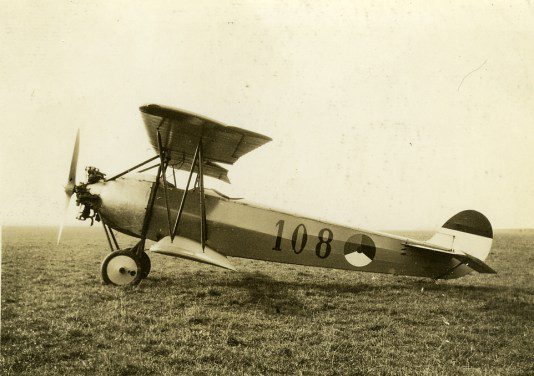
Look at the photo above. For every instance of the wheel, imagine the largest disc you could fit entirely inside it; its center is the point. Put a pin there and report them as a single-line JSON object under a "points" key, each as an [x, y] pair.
{"points": [[145, 265], [121, 268]]}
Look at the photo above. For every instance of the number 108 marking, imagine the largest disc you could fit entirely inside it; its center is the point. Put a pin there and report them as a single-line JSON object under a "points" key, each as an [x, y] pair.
{"points": [[325, 237]]}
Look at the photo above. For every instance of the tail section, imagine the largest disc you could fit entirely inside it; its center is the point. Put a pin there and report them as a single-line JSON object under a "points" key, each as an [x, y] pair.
{"points": [[469, 232]]}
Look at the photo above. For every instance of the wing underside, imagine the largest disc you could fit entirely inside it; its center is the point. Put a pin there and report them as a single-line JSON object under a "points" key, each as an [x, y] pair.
{"points": [[209, 168]]}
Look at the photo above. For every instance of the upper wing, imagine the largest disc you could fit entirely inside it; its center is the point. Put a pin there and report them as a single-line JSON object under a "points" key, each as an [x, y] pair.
{"points": [[181, 132]]}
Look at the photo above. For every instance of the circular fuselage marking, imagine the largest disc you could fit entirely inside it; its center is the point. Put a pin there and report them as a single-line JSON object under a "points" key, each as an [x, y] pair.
{"points": [[359, 250]]}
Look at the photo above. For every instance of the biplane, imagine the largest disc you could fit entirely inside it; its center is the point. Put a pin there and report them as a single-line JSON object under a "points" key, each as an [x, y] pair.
{"points": [[206, 226]]}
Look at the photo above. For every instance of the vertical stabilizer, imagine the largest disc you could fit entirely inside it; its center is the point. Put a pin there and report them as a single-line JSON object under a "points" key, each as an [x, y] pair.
{"points": [[468, 231]]}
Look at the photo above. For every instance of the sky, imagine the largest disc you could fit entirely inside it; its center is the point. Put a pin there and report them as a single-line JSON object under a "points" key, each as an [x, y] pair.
{"points": [[384, 115]]}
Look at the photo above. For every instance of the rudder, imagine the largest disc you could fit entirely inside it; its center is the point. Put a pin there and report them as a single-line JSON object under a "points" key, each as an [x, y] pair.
{"points": [[468, 231]]}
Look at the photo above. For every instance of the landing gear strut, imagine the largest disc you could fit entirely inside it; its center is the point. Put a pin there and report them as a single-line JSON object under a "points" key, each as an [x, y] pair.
{"points": [[145, 265]]}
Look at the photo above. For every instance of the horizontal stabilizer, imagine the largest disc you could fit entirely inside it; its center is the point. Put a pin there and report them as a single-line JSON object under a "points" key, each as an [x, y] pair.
{"points": [[475, 264], [191, 250], [470, 261]]}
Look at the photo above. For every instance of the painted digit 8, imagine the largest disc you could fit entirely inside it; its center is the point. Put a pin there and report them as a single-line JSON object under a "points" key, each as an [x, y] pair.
{"points": [[322, 241]]}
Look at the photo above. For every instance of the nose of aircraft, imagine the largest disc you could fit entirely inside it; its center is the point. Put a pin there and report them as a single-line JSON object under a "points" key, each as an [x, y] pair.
{"points": [[86, 194]]}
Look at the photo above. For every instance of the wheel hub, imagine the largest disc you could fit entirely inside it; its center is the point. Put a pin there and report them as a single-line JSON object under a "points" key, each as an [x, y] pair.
{"points": [[122, 269]]}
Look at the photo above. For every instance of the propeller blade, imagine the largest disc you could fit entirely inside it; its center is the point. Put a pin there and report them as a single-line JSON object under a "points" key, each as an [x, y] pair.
{"points": [[71, 183], [67, 201], [69, 188]]}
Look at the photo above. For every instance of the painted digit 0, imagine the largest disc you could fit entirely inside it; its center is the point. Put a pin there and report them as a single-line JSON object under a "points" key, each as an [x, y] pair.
{"points": [[295, 236]]}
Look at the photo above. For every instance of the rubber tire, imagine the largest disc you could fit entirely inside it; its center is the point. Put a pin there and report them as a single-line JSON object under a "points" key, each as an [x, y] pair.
{"points": [[123, 252], [145, 265]]}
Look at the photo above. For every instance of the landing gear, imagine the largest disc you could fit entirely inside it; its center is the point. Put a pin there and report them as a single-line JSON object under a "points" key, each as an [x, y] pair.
{"points": [[125, 266], [145, 265], [122, 268], [130, 266]]}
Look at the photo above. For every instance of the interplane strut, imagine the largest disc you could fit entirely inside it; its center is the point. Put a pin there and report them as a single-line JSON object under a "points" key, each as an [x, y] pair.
{"points": [[198, 161]]}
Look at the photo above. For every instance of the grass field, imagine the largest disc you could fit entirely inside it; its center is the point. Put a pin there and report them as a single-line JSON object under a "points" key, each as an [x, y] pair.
{"points": [[189, 318]]}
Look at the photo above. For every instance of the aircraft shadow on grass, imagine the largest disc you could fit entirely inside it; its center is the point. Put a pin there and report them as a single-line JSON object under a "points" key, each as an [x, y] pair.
{"points": [[282, 296]]}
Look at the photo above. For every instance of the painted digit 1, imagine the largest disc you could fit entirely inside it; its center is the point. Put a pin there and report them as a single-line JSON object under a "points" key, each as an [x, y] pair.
{"points": [[278, 241], [322, 241]]}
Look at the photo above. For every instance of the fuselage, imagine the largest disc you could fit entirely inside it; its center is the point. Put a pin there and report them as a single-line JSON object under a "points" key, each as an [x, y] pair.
{"points": [[237, 228]]}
